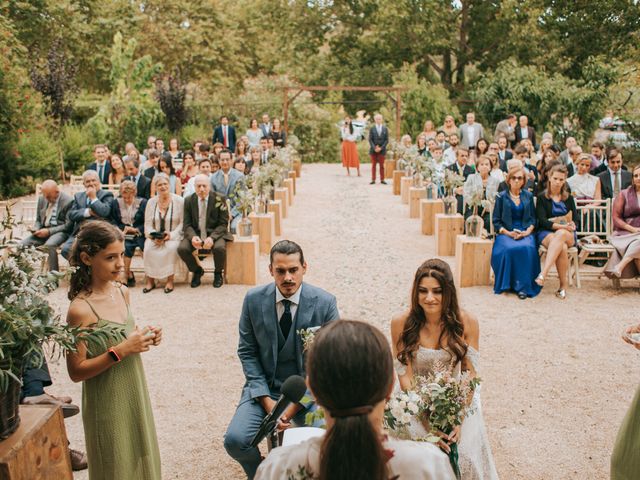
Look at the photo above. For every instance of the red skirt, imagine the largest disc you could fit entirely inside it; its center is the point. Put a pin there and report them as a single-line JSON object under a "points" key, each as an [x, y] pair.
{"points": [[350, 154]]}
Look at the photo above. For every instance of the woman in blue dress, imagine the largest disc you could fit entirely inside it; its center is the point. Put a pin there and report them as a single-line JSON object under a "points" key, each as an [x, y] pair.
{"points": [[514, 258], [556, 215]]}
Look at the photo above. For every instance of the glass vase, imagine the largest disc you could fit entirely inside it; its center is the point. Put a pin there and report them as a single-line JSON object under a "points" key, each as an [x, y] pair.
{"points": [[432, 191], [9, 406], [261, 204], [417, 180], [450, 205], [474, 226], [245, 227]]}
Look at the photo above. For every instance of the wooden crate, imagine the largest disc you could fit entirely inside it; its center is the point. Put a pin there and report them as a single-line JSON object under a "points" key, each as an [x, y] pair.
{"points": [[242, 260], [275, 207], [389, 167], [448, 227], [415, 195], [428, 211], [292, 176], [264, 226], [473, 261], [282, 194], [288, 183], [297, 166], [38, 450], [397, 175], [405, 184]]}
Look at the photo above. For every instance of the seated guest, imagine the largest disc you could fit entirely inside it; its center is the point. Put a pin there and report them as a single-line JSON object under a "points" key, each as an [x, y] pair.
{"points": [[354, 402], [101, 164], [625, 260], [205, 227], [204, 168], [254, 160], [226, 181], [203, 151], [461, 167], [216, 148], [548, 159], [242, 151], [159, 146], [151, 167], [174, 150], [127, 213], [118, 171], [189, 168], [504, 155], [556, 216], [614, 178], [483, 180], [240, 164], [143, 184], [163, 217], [441, 140], [598, 157], [496, 170], [130, 149], [514, 258], [269, 348], [265, 152], [151, 145], [165, 166], [583, 185], [278, 135], [92, 204], [50, 228]]}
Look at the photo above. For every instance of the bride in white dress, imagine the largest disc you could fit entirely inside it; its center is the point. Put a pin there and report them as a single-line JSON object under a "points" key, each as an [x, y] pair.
{"points": [[435, 335]]}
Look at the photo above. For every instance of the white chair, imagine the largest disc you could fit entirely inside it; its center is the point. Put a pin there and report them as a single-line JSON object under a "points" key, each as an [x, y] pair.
{"points": [[76, 180], [595, 231], [294, 436], [113, 188]]}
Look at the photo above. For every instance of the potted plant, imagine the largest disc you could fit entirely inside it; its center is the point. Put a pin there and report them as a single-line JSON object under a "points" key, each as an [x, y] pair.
{"points": [[451, 181], [262, 188], [29, 325], [245, 201]]}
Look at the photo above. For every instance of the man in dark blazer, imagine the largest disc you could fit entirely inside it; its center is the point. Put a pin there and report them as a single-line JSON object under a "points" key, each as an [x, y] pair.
{"points": [[504, 155], [143, 183], [523, 130], [378, 140], [205, 227], [270, 348], [265, 126], [225, 134], [614, 179], [101, 164], [51, 221], [461, 168], [92, 204]]}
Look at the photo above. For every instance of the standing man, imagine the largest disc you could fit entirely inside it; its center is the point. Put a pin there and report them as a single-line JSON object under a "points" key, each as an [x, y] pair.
{"points": [[226, 182], [378, 140], [470, 133], [506, 127], [270, 348], [523, 130], [225, 134], [101, 165], [205, 228], [143, 184], [50, 228], [265, 152], [265, 126]]}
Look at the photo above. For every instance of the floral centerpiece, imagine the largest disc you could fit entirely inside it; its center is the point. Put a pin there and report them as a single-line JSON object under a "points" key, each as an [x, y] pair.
{"points": [[245, 202], [450, 182], [261, 185], [29, 325], [474, 196]]}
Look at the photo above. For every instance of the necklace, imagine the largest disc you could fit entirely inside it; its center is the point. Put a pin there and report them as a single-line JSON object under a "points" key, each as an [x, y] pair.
{"points": [[515, 197], [109, 293]]}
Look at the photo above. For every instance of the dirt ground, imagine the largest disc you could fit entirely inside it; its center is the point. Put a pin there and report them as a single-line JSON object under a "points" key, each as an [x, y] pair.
{"points": [[557, 378]]}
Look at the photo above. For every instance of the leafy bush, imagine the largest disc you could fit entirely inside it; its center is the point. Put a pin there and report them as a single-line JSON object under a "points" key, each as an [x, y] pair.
{"points": [[76, 144], [171, 92], [191, 133], [38, 155]]}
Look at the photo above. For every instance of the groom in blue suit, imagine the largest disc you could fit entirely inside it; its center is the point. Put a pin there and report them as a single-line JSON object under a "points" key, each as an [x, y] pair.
{"points": [[270, 348]]}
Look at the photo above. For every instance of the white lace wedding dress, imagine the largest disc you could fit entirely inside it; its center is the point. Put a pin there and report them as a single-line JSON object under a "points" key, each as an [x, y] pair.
{"points": [[475, 458]]}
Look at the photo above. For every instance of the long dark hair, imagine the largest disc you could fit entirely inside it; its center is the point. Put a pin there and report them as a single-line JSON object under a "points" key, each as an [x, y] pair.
{"points": [[350, 370], [453, 328], [552, 168], [93, 237]]}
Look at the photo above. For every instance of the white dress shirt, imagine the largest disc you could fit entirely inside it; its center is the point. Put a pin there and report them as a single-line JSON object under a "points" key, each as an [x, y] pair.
{"points": [[294, 299]]}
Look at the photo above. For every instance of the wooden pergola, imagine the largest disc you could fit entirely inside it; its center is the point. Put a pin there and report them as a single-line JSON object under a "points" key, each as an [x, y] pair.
{"points": [[393, 93]]}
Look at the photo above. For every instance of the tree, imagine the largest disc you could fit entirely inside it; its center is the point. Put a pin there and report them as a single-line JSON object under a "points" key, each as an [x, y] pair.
{"points": [[171, 92]]}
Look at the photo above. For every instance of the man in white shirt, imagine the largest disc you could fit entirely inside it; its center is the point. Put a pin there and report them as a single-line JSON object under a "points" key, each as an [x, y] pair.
{"points": [[265, 126], [204, 168], [450, 154], [471, 132]]}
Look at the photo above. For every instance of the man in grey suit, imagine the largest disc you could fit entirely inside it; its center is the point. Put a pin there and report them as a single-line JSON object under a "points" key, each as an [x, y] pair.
{"points": [[265, 126], [227, 181], [51, 218], [506, 127], [92, 204], [378, 140], [470, 133], [270, 348]]}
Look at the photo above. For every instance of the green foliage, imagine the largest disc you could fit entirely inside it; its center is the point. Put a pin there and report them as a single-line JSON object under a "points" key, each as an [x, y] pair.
{"points": [[37, 155], [76, 144], [190, 133]]}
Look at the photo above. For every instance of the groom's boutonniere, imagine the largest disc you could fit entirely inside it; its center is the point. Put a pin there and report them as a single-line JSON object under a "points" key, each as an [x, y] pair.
{"points": [[307, 335]]}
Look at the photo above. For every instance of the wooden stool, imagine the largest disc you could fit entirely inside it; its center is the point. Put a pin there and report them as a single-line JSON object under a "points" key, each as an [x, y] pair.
{"points": [[397, 175], [281, 194], [275, 207], [448, 227], [428, 211], [242, 260], [264, 225], [38, 449], [473, 261], [288, 183], [415, 195], [297, 166], [389, 167], [292, 176], [405, 185]]}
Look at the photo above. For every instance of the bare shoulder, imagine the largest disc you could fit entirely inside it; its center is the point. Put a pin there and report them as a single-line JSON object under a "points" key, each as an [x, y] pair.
{"points": [[79, 313], [125, 292]]}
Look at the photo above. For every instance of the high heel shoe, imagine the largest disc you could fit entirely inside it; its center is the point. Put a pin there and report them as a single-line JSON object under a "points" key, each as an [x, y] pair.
{"points": [[561, 294], [539, 280]]}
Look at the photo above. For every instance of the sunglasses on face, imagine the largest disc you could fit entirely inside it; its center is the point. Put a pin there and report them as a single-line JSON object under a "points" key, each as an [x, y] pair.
{"points": [[517, 178]]}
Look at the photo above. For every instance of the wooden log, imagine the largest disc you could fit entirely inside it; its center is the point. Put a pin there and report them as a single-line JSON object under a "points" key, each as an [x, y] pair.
{"points": [[275, 207], [405, 185], [264, 225], [473, 261], [38, 449], [242, 260], [448, 227], [415, 195], [281, 194], [389, 167], [397, 175], [428, 211], [288, 184], [292, 176], [297, 166]]}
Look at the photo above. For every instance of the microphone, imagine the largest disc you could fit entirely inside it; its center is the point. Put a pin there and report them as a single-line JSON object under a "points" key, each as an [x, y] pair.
{"points": [[292, 391]]}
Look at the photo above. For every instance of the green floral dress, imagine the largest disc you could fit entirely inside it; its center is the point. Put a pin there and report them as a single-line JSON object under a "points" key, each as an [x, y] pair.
{"points": [[625, 461], [119, 430]]}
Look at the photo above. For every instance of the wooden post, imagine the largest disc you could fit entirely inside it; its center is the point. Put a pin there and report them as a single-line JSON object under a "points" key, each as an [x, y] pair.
{"points": [[275, 207], [281, 194], [428, 211], [288, 184], [473, 261], [405, 184], [415, 195], [292, 176], [297, 166], [448, 227], [397, 175], [264, 226], [242, 260], [389, 167]]}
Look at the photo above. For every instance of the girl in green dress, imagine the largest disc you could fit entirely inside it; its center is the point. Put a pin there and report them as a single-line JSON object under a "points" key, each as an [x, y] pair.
{"points": [[116, 411], [625, 461]]}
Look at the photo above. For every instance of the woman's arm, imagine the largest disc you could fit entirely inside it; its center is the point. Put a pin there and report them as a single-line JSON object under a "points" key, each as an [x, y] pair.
{"points": [[542, 215], [178, 214], [397, 325], [619, 221], [178, 187], [148, 217]]}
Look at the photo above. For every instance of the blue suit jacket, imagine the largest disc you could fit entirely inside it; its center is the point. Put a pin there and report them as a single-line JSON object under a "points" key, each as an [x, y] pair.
{"points": [[102, 207], [378, 140], [105, 171], [502, 211], [258, 344], [218, 137], [236, 179]]}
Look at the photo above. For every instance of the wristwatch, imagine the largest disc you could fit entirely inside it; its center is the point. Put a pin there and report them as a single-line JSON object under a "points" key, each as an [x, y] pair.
{"points": [[114, 355]]}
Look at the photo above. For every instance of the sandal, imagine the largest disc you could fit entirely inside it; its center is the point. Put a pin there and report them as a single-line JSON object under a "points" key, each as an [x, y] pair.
{"points": [[561, 294], [539, 280], [147, 290], [168, 290]]}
